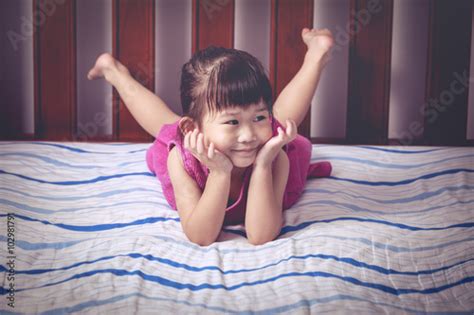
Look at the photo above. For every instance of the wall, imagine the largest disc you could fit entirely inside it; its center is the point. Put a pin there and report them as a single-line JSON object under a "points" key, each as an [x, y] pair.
{"points": [[173, 48]]}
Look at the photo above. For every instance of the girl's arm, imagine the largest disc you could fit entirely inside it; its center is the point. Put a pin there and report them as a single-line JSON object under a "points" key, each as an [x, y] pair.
{"points": [[264, 218], [295, 99], [201, 213]]}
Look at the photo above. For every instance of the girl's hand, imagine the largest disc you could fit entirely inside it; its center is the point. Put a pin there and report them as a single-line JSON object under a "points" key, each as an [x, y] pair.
{"points": [[212, 158], [270, 150]]}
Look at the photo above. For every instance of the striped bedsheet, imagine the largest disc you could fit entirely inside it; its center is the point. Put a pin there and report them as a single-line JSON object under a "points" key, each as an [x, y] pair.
{"points": [[85, 228]]}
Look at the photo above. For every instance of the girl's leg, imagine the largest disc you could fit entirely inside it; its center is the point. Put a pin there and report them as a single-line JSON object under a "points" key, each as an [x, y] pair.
{"points": [[295, 99], [147, 108]]}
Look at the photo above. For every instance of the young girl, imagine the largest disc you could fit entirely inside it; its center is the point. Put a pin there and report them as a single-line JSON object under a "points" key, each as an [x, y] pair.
{"points": [[229, 160]]}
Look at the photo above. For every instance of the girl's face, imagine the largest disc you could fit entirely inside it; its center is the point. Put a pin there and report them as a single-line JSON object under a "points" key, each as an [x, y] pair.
{"points": [[238, 133]]}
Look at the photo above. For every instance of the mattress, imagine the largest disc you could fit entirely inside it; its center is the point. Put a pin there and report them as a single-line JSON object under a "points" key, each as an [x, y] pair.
{"points": [[86, 229]]}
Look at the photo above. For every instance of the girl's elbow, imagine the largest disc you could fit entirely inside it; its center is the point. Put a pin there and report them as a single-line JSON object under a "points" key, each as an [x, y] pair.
{"points": [[194, 235], [201, 240], [263, 237], [257, 242], [260, 239]]}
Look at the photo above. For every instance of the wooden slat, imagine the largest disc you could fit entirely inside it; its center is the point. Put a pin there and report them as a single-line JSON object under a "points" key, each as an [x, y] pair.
{"points": [[55, 73], [448, 72], [213, 23], [287, 50], [133, 44], [11, 115], [369, 71], [12, 69]]}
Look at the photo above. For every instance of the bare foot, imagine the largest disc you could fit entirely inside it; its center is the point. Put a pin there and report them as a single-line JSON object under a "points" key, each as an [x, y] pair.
{"points": [[319, 41], [105, 66]]}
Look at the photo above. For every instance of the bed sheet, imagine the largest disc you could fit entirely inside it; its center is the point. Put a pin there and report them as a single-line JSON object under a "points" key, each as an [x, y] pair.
{"points": [[86, 229]]}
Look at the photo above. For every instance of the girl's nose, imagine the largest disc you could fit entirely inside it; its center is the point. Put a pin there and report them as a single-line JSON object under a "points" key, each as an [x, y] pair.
{"points": [[247, 134]]}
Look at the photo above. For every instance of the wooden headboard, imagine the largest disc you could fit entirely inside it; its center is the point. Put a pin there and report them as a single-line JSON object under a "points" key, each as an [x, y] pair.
{"points": [[449, 51]]}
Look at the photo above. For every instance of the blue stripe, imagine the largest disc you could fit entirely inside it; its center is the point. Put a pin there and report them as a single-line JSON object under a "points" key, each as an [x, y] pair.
{"points": [[403, 182], [98, 227], [25, 207], [40, 246], [422, 196], [205, 286], [280, 245], [129, 163], [81, 197], [388, 247], [269, 247], [155, 192], [303, 225], [71, 148], [284, 230], [367, 210], [51, 161], [79, 182], [302, 304], [47, 211], [306, 304], [345, 260], [397, 150], [333, 158]]}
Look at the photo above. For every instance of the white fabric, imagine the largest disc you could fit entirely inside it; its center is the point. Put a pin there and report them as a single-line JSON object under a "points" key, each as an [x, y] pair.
{"points": [[392, 230]]}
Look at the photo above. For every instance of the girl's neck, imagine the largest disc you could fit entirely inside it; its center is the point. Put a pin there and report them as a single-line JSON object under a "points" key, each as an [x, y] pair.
{"points": [[238, 172]]}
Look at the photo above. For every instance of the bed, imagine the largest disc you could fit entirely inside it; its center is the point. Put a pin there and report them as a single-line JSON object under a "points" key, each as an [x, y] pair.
{"points": [[89, 231]]}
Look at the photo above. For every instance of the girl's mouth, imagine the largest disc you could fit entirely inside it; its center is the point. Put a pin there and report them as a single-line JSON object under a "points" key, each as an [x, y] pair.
{"points": [[245, 151]]}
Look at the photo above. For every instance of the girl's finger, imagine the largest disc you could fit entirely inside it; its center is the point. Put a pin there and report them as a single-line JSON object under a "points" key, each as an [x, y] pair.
{"points": [[193, 139], [288, 127], [210, 151], [200, 144], [186, 140], [280, 132], [291, 129]]}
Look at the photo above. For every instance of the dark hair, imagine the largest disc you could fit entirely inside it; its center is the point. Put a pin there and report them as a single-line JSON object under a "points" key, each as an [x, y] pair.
{"points": [[220, 78]]}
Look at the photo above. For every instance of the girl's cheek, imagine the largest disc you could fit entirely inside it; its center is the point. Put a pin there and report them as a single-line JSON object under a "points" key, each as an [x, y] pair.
{"points": [[206, 141], [268, 134]]}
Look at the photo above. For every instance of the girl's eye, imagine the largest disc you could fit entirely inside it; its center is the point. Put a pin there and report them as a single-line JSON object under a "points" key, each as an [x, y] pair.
{"points": [[260, 118], [233, 122]]}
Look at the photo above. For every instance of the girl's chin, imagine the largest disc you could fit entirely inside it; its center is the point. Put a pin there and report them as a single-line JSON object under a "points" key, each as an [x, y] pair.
{"points": [[243, 162]]}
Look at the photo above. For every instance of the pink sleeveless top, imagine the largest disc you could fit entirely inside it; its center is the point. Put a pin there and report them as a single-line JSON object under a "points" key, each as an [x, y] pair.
{"points": [[298, 151]]}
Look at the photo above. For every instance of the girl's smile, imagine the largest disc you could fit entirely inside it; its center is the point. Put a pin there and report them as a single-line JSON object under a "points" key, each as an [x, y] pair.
{"points": [[248, 155]]}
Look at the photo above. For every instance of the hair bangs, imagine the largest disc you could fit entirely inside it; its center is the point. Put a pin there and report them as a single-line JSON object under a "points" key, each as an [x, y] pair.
{"points": [[233, 83]]}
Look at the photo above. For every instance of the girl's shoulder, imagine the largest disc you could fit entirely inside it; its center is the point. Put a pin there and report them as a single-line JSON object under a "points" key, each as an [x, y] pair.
{"points": [[178, 154], [169, 133]]}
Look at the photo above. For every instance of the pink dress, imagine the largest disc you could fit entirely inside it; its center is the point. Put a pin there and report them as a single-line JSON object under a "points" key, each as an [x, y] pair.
{"points": [[298, 151]]}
